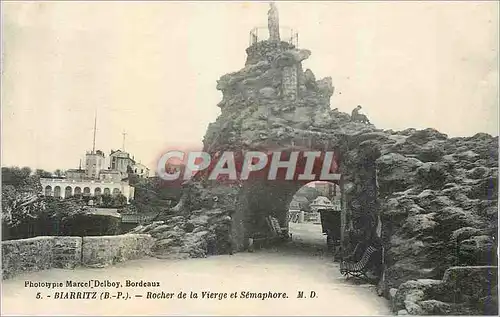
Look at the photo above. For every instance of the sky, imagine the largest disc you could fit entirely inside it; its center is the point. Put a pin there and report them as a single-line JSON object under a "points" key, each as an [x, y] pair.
{"points": [[150, 69]]}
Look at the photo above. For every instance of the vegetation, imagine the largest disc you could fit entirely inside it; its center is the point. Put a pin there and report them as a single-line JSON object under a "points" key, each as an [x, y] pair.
{"points": [[20, 196], [90, 225], [26, 213], [152, 195], [310, 193], [110, 201]]}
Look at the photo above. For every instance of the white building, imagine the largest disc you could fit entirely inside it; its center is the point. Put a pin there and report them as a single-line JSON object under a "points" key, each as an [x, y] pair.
{"points": [[121, 161], [94, 180], [111, 175], [63, 188], [321, 202]]}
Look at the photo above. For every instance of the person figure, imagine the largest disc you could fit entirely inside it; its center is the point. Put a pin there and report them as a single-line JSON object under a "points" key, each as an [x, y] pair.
{"points": [[273, 23], [356, 116], [355, 112]]}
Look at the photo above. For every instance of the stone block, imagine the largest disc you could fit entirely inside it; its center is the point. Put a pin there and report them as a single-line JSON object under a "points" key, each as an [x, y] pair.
{"points": [[26, 255], [470, 283], [435, 308], [107, 250], [67, 252]]}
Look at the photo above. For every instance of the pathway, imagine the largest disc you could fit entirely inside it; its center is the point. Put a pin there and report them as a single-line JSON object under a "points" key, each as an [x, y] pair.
{"points": [[287, 270]]}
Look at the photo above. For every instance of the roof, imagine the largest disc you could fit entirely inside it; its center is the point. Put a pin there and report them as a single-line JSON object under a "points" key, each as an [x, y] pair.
{"points": [[119, 152], [110, 172], [113, 212], [76, 170], [96, 152], [322, 201]]}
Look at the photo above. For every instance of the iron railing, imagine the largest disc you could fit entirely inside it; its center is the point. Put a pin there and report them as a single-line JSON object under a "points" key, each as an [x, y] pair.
{"points": [[289, 35], [136, 218], [87, 181]]}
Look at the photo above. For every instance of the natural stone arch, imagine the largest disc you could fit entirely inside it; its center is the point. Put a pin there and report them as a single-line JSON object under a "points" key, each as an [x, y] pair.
{"points": [[260, 197], [86, 191], [48, 190], [116, 191], [282, 124], [68, 191], [273, 197], [57, 191], [78, 190], [107, 191], [97, 191]]}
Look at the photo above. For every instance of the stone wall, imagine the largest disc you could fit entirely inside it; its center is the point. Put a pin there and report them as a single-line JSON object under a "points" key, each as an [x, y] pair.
{"points": [[66, 252], [26, 255], [41, 253], [107, 250]]}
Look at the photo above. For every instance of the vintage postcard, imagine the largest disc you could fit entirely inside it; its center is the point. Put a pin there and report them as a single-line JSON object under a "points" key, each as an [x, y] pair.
{"points": [[249, 158]]}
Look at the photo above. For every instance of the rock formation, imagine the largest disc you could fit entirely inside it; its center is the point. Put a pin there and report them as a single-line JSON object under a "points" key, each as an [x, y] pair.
{"points": [[432, 199]]}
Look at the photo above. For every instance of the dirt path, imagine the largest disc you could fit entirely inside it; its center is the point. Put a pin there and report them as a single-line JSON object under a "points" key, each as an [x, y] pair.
{"points": [[287, 270]]}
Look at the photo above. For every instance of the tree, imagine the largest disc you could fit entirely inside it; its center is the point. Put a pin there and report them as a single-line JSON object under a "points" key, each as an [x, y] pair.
{"points": [[16, 176], [42, 173], [119, 201], [65, 208], [310, 193], [59, 173], [107, 200], [20, 195]]}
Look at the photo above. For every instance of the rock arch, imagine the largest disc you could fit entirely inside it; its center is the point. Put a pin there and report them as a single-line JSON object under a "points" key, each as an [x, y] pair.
{"points": [[250, 201]]}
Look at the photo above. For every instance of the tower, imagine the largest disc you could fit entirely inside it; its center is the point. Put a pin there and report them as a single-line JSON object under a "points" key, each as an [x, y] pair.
{"points": [[94, 160], [123, 141], [95, 128]]}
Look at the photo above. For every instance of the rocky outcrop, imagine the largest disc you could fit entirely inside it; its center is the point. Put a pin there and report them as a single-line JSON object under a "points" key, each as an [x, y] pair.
{"points": [[199, 229], [432, 199], [469, 290], [438, 207]]}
